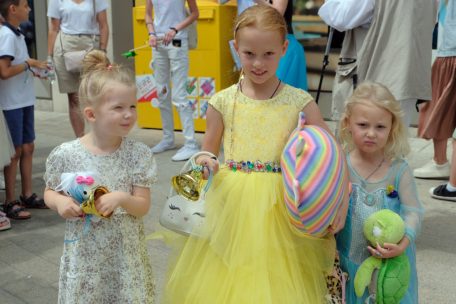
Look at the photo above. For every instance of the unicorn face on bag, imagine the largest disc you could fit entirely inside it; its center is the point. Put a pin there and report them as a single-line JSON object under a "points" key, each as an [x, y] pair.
{"points": [[78, 185], [183, 213]]}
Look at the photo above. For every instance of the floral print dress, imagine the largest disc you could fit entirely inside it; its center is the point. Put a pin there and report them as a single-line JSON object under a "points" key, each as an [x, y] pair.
{"points": [[105, 260]]}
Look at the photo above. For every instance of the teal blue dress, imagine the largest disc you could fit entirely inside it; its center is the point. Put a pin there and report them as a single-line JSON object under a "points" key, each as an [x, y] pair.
{"points": [[367, 198], [292, 67]]}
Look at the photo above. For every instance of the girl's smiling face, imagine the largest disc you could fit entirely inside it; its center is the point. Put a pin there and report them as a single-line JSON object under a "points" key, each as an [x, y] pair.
{"points": [[370, 127], [116, 114], [260, 52]]}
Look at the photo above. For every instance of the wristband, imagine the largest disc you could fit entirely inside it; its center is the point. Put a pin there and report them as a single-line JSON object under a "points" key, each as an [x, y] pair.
{"points": [[174, 29], [152, 34], [27, 66]]}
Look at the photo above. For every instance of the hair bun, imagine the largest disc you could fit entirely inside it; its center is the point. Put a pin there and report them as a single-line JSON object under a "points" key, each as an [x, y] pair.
{"points": [[95, 60]]}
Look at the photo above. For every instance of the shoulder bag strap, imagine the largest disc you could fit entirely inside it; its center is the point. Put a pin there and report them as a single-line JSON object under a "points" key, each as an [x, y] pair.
{"points": [[61, 44]]}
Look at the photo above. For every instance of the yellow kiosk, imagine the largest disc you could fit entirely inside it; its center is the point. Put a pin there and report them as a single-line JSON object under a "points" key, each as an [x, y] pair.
{"points": [[211, 65]]}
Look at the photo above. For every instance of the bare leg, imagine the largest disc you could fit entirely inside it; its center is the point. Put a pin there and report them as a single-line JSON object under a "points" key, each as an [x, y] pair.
{"points": [[25, 166], [10, 176], [10, 180], [453, 165], [76, 119], [440, 150]]}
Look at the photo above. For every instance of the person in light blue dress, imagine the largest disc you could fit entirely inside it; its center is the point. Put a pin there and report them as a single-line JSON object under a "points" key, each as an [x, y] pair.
{"points": [[376, 140]]}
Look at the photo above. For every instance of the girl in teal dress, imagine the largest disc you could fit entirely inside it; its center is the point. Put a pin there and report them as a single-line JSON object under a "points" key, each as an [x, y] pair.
{"points": [[373, 132]]}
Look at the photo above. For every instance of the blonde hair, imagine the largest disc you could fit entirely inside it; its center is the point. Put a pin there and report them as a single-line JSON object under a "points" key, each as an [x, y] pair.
{"points": [[97, 73], [262, 17], [368, 93]]}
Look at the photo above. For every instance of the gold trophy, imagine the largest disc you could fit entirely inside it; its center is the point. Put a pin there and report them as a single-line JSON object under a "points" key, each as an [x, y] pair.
{"points": [[88, 206], [189, 184]]}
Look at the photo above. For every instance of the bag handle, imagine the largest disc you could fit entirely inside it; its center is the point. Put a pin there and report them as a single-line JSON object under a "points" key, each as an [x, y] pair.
{"points": [[191, 164]]}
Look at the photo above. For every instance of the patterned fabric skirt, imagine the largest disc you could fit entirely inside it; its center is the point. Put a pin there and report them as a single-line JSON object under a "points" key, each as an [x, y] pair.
{"points": [[438, 117]]}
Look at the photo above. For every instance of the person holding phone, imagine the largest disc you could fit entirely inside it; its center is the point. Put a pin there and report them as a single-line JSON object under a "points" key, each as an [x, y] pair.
{"points": [[168, 37]]}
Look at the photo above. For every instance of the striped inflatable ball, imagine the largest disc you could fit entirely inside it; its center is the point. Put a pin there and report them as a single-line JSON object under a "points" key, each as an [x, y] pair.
{"points": [[314, 173]]}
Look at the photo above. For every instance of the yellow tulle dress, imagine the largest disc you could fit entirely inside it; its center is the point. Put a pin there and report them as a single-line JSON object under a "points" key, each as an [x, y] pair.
{"points": [[246, 251]]}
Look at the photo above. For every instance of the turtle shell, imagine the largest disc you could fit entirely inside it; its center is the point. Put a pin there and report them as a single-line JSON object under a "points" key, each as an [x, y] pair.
{"points": [[393, 280]]}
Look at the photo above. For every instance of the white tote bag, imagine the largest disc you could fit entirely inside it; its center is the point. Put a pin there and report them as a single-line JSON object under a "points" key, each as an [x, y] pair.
{"points": [[180, 214]]}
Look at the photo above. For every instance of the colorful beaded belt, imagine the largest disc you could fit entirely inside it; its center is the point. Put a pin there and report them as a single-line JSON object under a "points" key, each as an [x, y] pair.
{"points": [[256, 166]]}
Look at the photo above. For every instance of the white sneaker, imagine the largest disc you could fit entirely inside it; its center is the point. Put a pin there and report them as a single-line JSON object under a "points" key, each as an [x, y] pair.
{"points": [[163, 146], [185, 153], [432, 170]]}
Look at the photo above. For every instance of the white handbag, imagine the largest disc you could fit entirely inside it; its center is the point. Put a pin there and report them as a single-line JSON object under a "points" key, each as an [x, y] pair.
{"points": [[183, 215], [73, 60]]}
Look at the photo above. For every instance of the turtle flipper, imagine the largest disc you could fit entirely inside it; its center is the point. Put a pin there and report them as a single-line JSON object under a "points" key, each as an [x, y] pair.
{"points": [[364, 274]]}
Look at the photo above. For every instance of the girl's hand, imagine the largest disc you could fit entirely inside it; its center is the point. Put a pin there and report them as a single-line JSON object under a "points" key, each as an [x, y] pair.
{"points": [[389, 250], [338, 223], [341, 216], [169, 37], [107, 203], [209, 164], [69, 209]]}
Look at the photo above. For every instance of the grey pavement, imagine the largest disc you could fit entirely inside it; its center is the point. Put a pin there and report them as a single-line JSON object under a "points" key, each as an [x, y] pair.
{"points": [[30, 251]]}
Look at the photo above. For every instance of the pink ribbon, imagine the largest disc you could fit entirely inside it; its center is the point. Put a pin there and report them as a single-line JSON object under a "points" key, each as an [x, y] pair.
{"points": [[84, 180]]}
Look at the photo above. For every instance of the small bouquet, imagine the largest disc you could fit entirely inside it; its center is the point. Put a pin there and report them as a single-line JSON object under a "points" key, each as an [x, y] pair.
{"points": [[391, 192]]}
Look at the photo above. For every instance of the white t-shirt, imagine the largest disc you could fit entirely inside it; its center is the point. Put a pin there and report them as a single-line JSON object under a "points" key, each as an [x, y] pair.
{"points": [[345, 15], [17, 91], [169, 13], [76, 18]]}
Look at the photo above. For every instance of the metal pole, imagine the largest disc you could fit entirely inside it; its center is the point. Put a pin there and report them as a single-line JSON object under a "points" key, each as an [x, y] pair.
{"points": [[325, 61]]}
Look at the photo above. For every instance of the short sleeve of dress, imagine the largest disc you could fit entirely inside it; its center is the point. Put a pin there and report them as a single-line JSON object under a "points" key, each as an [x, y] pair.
{"points": [[145, 167], [303, 99], [54, 167], [217, 102]]}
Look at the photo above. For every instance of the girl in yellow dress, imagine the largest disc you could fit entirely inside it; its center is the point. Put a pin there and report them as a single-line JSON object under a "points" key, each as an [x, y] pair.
{"points": [[246, 251]]}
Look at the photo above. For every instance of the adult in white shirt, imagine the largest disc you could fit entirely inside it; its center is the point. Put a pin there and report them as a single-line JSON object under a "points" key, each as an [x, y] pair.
{"points": [[391, 42], [167, 24], [75, 25]]}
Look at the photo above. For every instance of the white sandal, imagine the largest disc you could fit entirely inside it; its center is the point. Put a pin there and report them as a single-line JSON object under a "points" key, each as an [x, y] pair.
{"points": [[5, 223]]}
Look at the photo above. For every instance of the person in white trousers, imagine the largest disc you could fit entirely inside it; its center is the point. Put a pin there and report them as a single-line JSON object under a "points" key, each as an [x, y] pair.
{"points": [[167, 23]]}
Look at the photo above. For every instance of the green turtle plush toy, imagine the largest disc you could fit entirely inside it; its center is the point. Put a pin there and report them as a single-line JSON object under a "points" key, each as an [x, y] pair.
{"points": [[390, 277]]}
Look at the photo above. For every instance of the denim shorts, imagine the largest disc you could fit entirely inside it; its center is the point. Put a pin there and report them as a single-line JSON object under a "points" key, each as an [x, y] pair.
{"points": [[21, 125]]}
